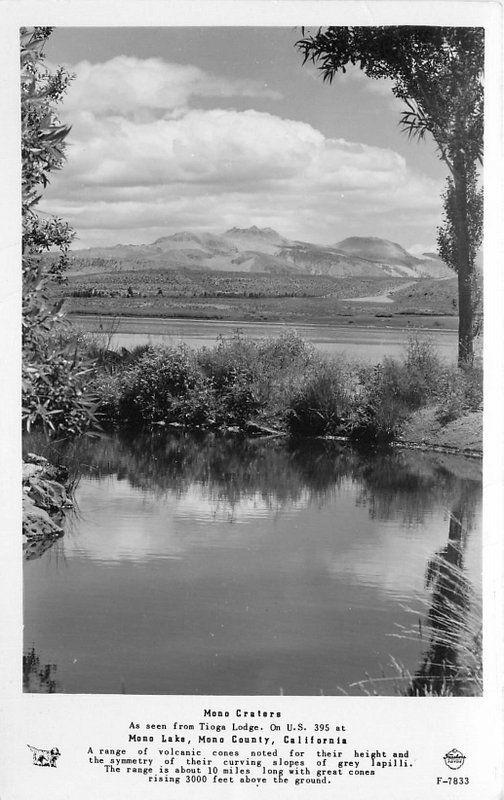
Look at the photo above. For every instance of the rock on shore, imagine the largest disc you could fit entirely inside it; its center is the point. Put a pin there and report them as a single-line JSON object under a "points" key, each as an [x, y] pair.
{"points": [[45, 498]]}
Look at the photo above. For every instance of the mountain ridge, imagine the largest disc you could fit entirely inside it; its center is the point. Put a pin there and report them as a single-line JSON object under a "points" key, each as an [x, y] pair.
{"points": [[257, 249]]}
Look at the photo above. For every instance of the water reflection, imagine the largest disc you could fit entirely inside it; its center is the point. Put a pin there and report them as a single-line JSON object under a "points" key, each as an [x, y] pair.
{"points": [[205, 565], [236, 470], [38, 678], [452, 664]]}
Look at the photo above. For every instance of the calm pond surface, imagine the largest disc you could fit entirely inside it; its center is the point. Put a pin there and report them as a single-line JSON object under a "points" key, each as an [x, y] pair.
{"points": [[226, 566], [363, 344]]}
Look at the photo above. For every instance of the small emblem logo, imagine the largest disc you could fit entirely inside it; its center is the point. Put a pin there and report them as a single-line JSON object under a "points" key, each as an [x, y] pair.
{"points": [[454, 759], [44, 758]]}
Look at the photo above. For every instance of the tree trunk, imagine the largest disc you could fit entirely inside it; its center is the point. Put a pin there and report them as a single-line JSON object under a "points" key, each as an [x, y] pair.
{"points": [[465, 327], [464, 267]]}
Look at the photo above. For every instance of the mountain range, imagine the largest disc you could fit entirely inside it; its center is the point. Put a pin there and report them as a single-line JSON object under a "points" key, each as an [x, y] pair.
{"points": [[262, 250]]}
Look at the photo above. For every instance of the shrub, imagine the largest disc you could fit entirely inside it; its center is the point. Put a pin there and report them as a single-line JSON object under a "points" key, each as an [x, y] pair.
{"points": [[232, 369], [451, 396], [473, 388], [233, 355], [279, 381], [419, 375], [282, 353], [283, 361], [392, 390], [253, 378], [166, 385], [107, 358], [407, 385], [460, 391], [237, 400], [55, 381], [382, 408], [238, 381], [325, 402], [108, 386]]}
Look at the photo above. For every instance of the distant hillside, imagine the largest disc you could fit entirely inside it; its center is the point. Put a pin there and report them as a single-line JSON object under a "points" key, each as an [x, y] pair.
{"points": [[264, 240], [375, 249], [319, 260], [382, 251], [260, 250], [478, 261], [187, 240]]}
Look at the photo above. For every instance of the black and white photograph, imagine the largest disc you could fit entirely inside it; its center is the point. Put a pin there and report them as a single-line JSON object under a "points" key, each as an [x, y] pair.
{"points": [[252, 340], [251, 471]]}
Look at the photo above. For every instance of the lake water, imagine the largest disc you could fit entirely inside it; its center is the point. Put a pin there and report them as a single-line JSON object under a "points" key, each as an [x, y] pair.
{"points": [[363, 344], [245, 567]]}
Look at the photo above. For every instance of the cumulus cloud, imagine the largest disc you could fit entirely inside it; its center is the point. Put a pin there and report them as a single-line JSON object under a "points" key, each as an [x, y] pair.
{"points": [[127, 85], [133, 177]]}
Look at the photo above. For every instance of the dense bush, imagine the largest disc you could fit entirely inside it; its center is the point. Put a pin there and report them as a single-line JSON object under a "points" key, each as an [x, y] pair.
{"points": [[461, 391], [382, 408], [408, 384], [53, 393], [392, 390], [165, 385], [282, 383], [284, 361], [326, 401], [232, 384], [420, 373], [232, 369]]}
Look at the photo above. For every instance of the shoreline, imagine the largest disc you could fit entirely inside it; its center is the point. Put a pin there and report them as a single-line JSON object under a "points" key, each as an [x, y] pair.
{"points": [[48, 493], [74, 317], [450, 450], [463, 435]]}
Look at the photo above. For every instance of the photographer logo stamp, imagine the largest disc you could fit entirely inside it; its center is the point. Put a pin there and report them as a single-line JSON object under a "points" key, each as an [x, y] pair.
{"points": [[44, 758], [454, 759]]}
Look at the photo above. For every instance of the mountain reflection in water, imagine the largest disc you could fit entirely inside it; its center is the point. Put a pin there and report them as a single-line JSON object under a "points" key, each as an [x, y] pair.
{"points": [[214, 565]]}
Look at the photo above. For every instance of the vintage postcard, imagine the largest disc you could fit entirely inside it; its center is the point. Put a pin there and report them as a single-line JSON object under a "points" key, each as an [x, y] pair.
{"points": [[252, 348]]}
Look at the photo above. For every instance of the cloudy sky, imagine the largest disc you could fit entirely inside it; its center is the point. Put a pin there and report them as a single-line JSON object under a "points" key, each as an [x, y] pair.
{"points": [[206, 128]]}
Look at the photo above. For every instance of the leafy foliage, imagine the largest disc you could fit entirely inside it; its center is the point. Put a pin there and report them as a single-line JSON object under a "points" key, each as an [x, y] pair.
{"points": [[460, 392], [326, 401], [252, 379], [165, 385], [449, 240], [280, 383], [437, 72], [54, 375], [392, 390], [238, 382]]}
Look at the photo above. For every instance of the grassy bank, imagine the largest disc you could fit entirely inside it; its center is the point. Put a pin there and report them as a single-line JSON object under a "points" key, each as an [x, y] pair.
{"points": [[279, 384]]}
